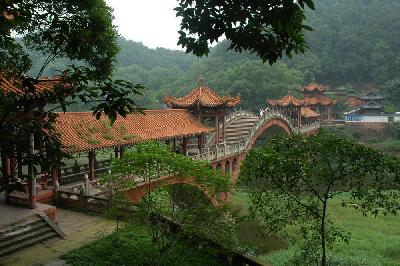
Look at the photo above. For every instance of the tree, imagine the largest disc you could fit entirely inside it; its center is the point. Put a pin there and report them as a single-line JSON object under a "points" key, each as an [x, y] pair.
{"points": [[391, 89], [267, 28], [161, 208], [298, 176], [80, 32]]}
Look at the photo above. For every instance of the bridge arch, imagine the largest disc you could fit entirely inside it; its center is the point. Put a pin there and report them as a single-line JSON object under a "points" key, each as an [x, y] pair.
{"points": [[279, 122], [142, 189]]}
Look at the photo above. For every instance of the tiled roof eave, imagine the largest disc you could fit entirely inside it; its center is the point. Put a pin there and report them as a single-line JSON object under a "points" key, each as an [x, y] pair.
{"points": [[77, 130], [132, 143]]}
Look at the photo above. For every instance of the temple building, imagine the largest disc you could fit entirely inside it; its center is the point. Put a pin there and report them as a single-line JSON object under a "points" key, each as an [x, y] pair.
{"points": [[371, 104], [315, 98], [314, 106], [295, 109], [206, 105], [371, 111]]}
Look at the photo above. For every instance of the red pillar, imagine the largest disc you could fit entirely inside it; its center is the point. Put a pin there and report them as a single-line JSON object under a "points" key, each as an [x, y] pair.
{"points": [[184, 145], [300, 122], [174, 145], [91, 165], [116, 152], [54, 177], [217, 129], [6, 162], [6, 168], [31, 175], [200, 142]]}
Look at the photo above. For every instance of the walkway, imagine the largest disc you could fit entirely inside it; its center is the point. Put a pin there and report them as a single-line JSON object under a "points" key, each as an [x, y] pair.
{"points": [[80, 229]]}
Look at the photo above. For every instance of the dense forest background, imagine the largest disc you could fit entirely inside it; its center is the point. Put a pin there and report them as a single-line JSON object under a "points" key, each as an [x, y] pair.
{"points": [[355, 46]]}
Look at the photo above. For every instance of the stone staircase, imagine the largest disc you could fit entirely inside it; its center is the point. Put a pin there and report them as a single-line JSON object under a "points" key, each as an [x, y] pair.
{"points": [[238, 128], [27, 232]]}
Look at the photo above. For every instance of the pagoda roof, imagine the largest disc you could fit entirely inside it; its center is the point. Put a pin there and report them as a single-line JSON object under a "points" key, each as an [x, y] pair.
{"points": [[202, 96], [307, 112], [371, 97], [12, 85], [371, 105], [313, 87], [319, 101], [288, 100], [81, 131]]}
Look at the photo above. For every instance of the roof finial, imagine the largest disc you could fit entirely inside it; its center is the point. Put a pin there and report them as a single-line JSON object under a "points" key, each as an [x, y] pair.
{"points": [[289, 92], [313, 79], [201, 81]]}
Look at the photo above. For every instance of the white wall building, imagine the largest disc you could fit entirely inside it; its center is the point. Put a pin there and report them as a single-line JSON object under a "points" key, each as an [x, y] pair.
{"points": [[355, 117]]}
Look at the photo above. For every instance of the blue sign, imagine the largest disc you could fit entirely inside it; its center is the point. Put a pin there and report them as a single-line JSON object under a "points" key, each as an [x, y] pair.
{"points": [[354, 118]]}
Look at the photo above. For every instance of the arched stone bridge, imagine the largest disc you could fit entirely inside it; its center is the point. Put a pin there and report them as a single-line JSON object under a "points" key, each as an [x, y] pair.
{"points": [[229, 155]]}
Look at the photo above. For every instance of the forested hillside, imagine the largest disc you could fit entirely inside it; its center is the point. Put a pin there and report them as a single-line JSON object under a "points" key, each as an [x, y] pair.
{"points": [[355, 43]]}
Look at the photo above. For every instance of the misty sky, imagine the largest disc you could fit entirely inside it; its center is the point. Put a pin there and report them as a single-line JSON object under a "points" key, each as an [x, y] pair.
{"points": [[152, 22]]}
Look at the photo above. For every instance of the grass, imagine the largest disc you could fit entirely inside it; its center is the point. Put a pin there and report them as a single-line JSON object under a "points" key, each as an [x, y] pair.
{"points": [[374, 241], [133, 246]]}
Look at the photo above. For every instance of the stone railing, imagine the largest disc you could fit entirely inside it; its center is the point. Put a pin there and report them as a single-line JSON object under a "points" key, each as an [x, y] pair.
{"points": [[76, 173], [238, 113], [223, 150], [307, 128], [266, 115], [230, 117]]}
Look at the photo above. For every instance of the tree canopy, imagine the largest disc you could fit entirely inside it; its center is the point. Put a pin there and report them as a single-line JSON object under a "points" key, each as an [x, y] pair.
{"points": [[295, 178], [266, 28]]}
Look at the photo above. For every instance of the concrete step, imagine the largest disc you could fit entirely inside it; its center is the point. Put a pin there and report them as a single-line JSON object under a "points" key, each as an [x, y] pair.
{"points": [[9, 229], [26, 232], [33, 240], [33, 232], [22, 230]]}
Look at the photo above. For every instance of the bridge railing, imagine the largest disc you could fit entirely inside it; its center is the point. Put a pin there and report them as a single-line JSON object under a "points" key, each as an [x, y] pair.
{"points": [[221, 150], [238, 113], [224, 150], [307, 128]]}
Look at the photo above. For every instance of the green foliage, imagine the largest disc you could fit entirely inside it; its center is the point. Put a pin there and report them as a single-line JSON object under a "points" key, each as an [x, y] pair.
{"points": [[268, 29], [133, 246], [296, 178], [81, 34], [353, 41], [391, 89], [148, 163]]}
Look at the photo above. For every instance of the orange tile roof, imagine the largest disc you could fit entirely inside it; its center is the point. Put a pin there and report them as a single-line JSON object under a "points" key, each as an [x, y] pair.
{"points": [[353, 101], [319, 101], [286, 101], [11, 85], [313, 87], [81, 131], [202, 96], [308, 113]]}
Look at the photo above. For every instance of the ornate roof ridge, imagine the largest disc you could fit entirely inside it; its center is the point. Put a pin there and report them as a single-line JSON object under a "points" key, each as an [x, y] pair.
{"points": [[203, 96], [313, 86]]}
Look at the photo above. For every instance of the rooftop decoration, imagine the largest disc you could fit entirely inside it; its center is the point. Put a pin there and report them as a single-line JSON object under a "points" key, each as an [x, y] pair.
{"points": [[313, 87], [202, 96], [81, 131]]}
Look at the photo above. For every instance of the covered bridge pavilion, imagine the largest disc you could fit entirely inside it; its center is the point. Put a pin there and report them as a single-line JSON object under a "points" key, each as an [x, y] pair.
{"points": [[82, 132]]}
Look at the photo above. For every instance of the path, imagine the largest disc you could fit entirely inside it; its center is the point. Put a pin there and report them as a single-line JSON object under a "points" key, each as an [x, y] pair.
{"points": [[80, 229]]}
